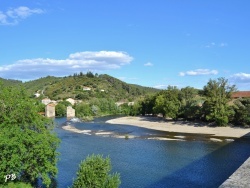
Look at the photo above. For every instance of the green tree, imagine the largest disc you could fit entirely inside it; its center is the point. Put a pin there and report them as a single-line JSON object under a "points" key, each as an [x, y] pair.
{"points": [[218, 94], [190, 103], [16, 185], [90, 74], [27, 144], [167, 103], [82, 110], [147, 105], [94, 172], [242, 112], [159, 106], [60, 110]]}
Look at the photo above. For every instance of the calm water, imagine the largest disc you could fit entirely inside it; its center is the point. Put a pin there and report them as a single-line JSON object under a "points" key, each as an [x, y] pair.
{"points": [[145, 162]]}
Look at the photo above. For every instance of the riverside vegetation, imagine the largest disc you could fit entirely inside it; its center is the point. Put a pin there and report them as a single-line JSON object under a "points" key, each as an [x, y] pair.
{"points": [[212, 104], [28, 144], [28, 147]]}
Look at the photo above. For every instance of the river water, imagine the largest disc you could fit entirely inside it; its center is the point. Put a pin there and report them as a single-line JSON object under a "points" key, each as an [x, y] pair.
{"points": [[144, 161]]}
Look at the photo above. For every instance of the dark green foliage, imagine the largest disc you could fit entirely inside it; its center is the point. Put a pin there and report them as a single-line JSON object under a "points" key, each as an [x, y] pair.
{"points": [[60, 110], [167, 103], [10, 82], [94, 172], [83, 110], [218, 94], [146, 106], [129, 110], [96, 107], [102, 86], [40, 84], [82, 96], [40, 106], [90, 75], [28, 148], [190, 103], [16, 185], [242, 112]]}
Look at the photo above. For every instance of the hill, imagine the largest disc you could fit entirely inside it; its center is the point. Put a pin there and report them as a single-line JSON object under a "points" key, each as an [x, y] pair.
{"points": [[10, 82], [40, 84], [87, 86]]}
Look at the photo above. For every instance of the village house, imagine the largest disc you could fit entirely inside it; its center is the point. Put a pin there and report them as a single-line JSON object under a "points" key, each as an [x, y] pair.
{"points": [[241, 94], [119, 103], [37, 95], [86, 88]]}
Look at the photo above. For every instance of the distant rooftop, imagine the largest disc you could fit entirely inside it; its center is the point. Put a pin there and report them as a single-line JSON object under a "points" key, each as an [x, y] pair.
{"points": [[241, 94]]}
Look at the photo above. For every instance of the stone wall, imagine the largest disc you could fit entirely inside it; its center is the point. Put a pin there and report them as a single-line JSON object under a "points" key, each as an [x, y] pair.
{"points": [[50, 110], [70, 112]]}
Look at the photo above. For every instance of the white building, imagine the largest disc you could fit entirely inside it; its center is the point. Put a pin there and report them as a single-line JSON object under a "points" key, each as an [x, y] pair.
{"points": [[86, 88], [37, 95], [131, 103]]}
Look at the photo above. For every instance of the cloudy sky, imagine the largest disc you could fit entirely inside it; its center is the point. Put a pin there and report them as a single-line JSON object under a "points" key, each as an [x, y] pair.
{"points": [[150, 43]]}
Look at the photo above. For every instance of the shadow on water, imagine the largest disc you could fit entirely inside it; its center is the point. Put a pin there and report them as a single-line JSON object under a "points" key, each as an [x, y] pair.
{"points": [[211, 170]]}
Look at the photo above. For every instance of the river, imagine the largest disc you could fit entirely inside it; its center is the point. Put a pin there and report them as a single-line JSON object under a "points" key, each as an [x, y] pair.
{"points": [[144, 162]]}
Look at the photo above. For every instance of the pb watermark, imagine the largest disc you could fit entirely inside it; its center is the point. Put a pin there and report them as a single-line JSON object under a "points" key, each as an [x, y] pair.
{"points": [[10, 177]]}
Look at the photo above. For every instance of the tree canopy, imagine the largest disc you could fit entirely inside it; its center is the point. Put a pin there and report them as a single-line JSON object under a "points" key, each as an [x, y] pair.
{"points": [[218, 94], [27, 143], [94, 172]]}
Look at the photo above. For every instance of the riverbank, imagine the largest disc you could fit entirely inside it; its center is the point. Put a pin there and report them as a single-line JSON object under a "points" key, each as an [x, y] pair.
{"points": [[156, 123]]}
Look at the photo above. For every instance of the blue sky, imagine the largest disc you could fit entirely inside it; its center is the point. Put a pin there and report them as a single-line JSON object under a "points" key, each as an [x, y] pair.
{"points": [[150, 43]]}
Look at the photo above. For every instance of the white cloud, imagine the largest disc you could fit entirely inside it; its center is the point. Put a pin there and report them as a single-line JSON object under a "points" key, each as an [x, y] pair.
{"points": [[199, 72], [13, 15], [210, 45], [160, 86], [182, 74], [223, 44], [213, 44], [148, 64], [240, 78], [76, 62], [163, 86], [3, 18]]}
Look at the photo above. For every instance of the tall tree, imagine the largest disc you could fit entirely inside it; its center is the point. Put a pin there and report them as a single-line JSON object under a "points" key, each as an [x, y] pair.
{"points": [[190, 103], [167, 103], [218, 94], [27, 144]]}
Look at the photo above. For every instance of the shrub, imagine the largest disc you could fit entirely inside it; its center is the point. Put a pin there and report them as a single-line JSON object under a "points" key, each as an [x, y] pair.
{"points": [[94, 172]]}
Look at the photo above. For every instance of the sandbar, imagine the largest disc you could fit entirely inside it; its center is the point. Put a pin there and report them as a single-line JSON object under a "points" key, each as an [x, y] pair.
{"points": [[156, 123]]}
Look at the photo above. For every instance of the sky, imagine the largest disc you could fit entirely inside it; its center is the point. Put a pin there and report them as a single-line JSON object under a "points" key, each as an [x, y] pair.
{"points": [[152, 43]]}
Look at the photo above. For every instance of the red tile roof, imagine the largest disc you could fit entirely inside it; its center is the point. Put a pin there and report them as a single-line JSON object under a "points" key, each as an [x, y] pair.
{"points": [[241, 94]]}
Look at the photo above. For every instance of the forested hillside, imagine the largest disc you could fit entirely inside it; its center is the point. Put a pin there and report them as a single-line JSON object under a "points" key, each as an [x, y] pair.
{"points": [[10, 82], [87, 86]]}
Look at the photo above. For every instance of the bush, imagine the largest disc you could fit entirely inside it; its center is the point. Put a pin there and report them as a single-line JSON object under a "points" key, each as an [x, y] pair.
{"points": [[94, 172], [17, 185]]}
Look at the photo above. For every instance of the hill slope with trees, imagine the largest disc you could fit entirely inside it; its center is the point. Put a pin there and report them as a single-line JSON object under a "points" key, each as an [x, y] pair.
{"points": [[87, 86]]}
